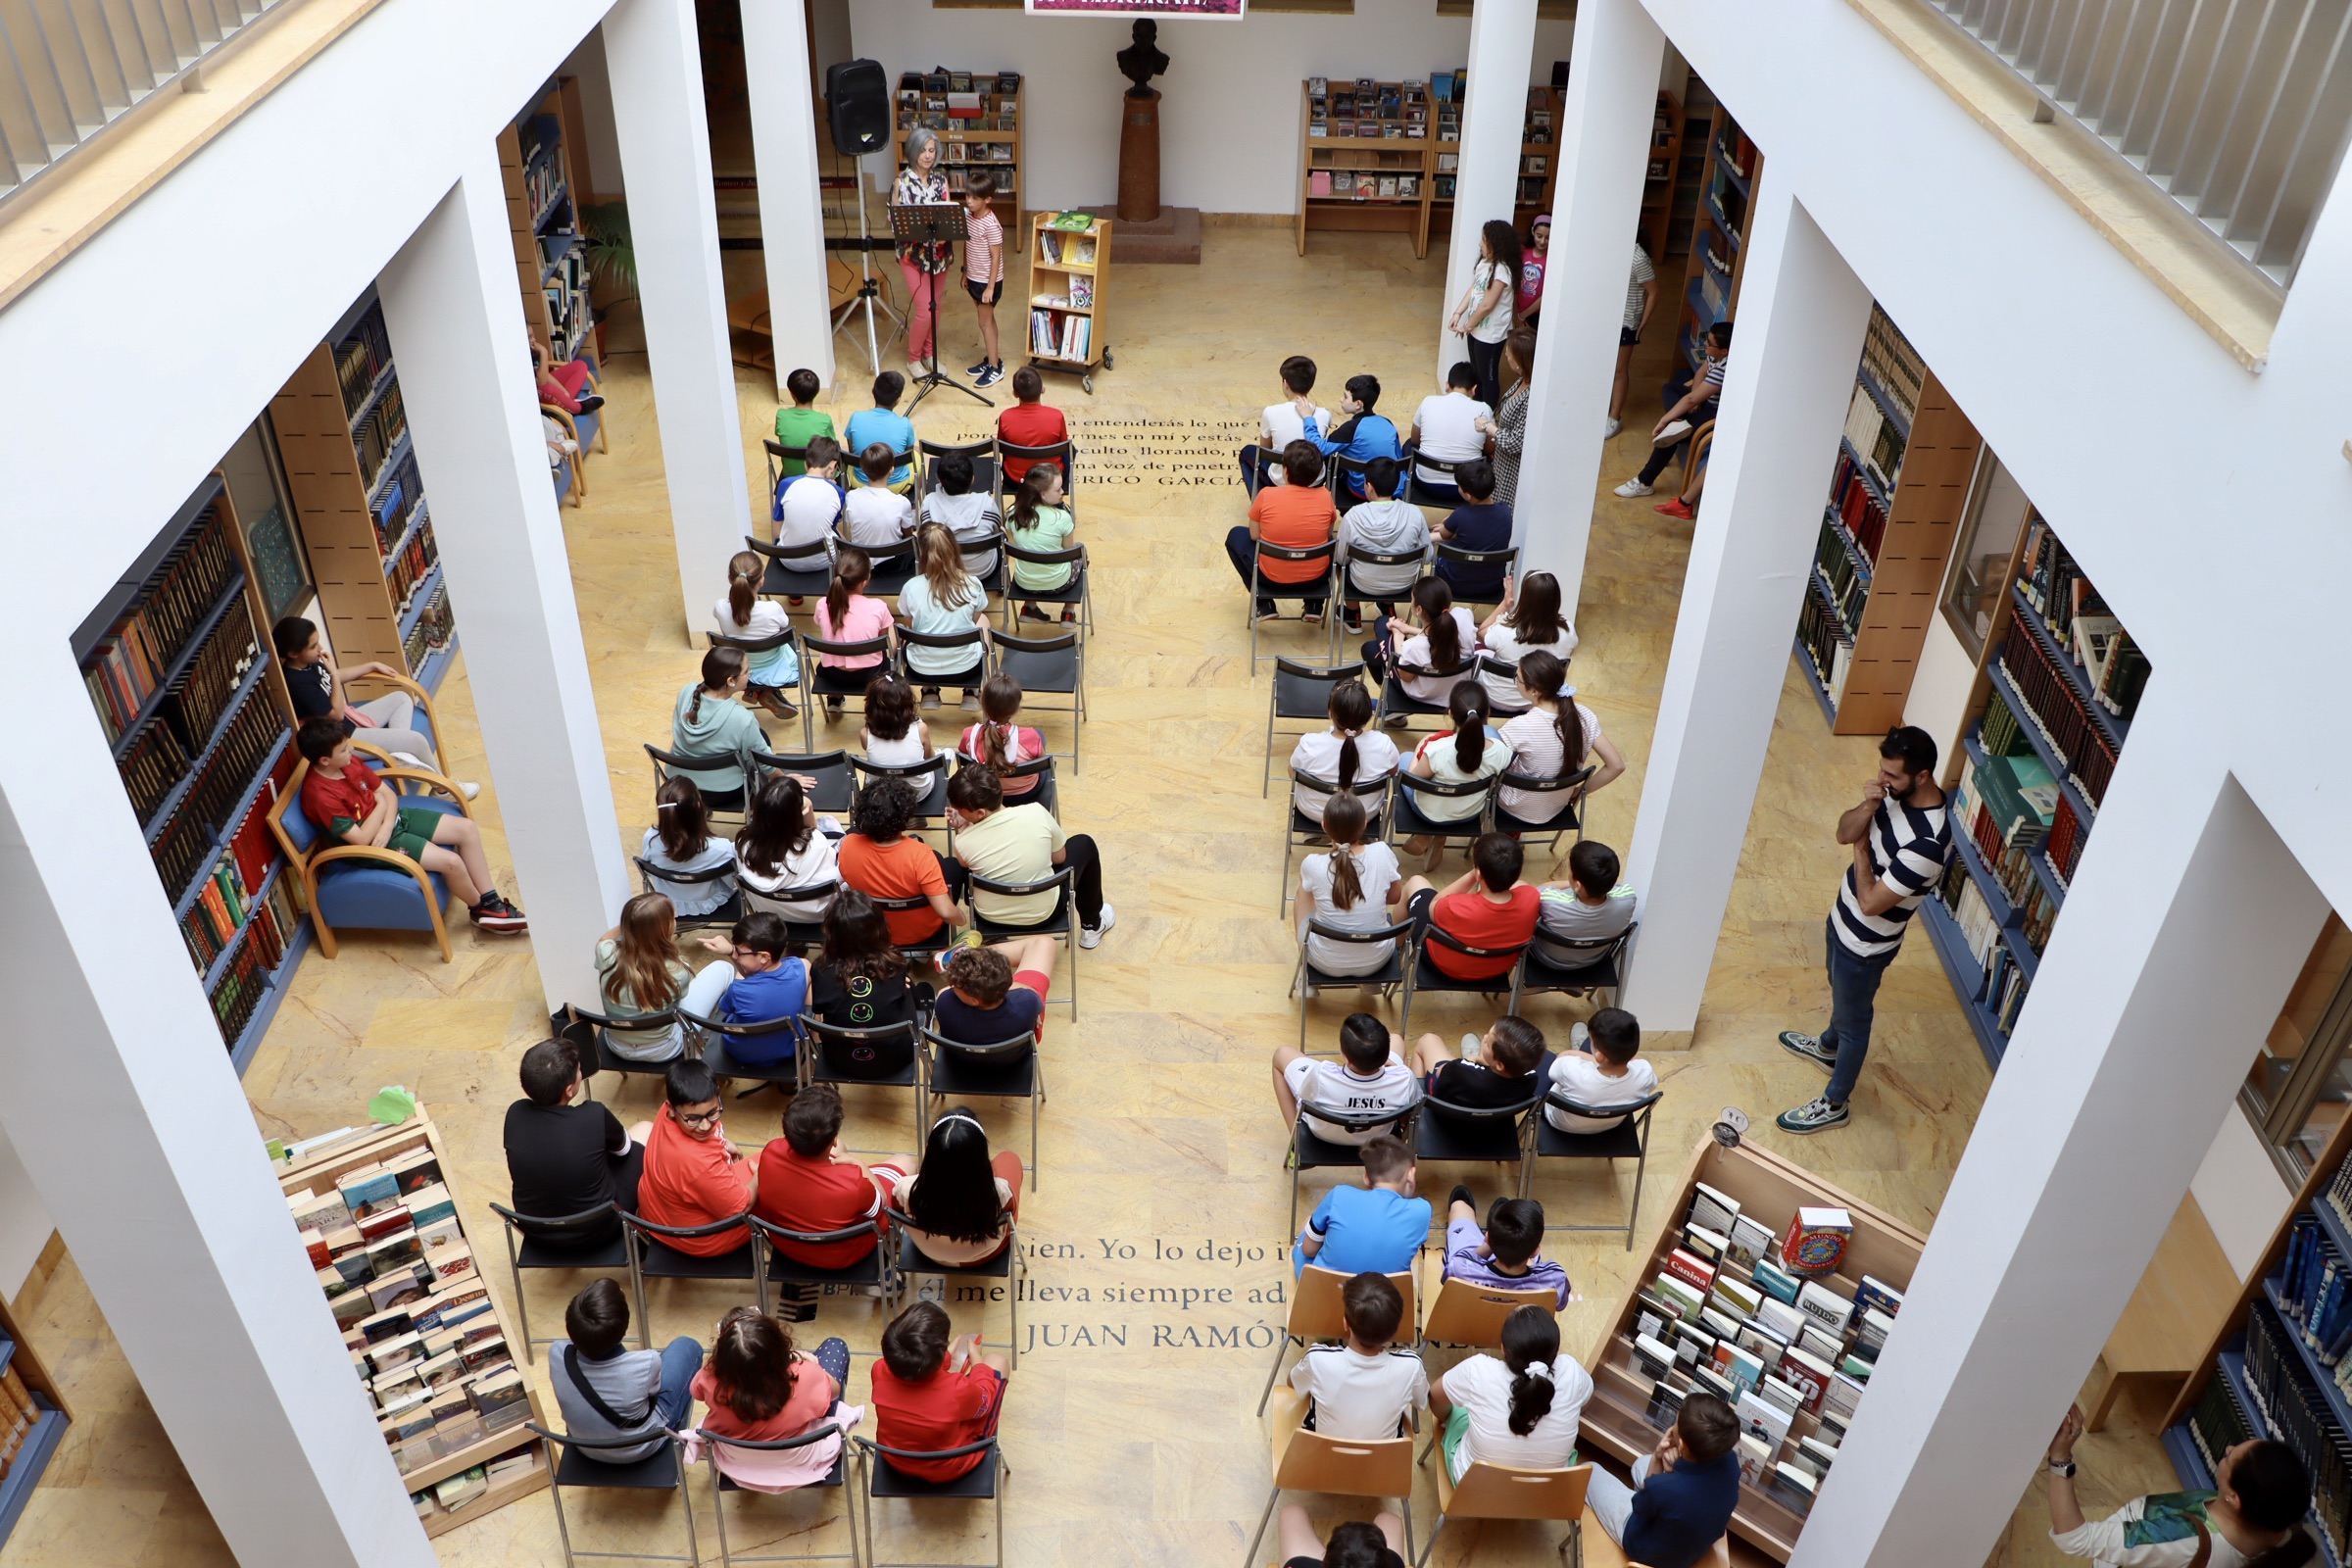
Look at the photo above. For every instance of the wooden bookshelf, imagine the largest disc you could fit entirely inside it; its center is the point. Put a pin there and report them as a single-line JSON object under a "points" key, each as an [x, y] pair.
{"points": [[984, 131], [1728, 172], [1770, 1190], [543, 185], [24, 1377], [1660, 184], [1544, 113], [318, 1173], [1336, 167], [1056, 273]]}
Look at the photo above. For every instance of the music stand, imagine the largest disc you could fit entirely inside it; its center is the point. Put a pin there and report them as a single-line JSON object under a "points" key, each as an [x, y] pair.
{"points": [[922, 224]]}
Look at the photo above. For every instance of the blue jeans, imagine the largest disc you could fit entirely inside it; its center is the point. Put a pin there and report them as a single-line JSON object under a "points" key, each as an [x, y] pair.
{"points": [[1611, 1501], [681, 1359], [1853, 994]]}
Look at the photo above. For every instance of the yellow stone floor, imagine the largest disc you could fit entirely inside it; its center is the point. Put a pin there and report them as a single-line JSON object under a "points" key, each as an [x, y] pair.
{"points": [[1129, 1424]]}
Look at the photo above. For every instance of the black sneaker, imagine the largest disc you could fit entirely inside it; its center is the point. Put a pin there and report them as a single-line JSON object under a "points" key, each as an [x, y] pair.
{"points": [[1460, 1194], [975, 367], [990, 376], [1352, 618], [590, 402], [499, 917]]}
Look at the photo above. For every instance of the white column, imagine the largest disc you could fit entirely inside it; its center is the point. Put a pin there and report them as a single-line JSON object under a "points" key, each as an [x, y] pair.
{"points": [[2177, 944], [656, 65], [1791, 370], [455, 325], [1605, 157], [1503, 46], [117, 1095], [791, 228]]}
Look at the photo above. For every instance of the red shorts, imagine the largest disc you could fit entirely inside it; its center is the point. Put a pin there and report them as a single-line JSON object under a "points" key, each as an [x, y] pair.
{"points": [[1036, 980]]}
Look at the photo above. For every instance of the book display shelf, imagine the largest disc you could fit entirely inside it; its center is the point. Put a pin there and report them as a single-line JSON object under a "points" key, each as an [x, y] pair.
{"points": [[190, 698], [1660, 184], [350, 472], [1367, 160], [376, 1213], [1692, 1320], [2060, 686], [544, 196], [2278, 1366], [1538, 164], [980, 124], [33, 1419], [1067, 317], [1727, 176]]}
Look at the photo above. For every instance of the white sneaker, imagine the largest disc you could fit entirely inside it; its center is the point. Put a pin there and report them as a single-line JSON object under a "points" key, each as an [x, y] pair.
{"points": [[469, 791], [1633, 488], [1614, 426], [1091, 936], [1671, 434], [1469, 1047]]}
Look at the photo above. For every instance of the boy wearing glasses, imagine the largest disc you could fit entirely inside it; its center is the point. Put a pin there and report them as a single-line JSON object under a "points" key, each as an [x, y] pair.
{"points": [[693, 1175]]}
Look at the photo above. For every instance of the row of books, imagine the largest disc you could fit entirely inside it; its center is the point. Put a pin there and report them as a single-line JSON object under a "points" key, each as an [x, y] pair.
{"points": [[977, 152], [1874, 436], [189, 832], [2298, 1415], [1847, 588], [1858, 507], [194, 705], [1363, 185], [938, 83], [1076, 250], [20, 1413], [542, 166], [2314, 1285], [1005, 179], [472, 1484], [2112, 665], [2003, 735], [402, 1281], [1824, 639], [1060, 335], [2006, 805], [128, 665], [2055, 710], [940, 121], [396, 504], [1530, 189], [377, 432], [2000, 985], [1893, 364], [223, 901], [432, 630], [404, 571], [361, 358], [239, 991]]}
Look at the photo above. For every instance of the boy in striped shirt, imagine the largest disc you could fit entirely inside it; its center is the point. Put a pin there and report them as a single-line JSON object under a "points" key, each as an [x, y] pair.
{"points": [[1901, 838], [1695, 408], [984, 269]]}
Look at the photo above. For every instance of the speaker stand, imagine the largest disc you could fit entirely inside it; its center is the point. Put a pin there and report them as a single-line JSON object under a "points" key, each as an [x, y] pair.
{"points": [[869, 288]]}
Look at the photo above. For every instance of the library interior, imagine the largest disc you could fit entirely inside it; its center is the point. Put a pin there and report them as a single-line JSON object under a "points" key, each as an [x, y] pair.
{"points": [[1607, 796]]}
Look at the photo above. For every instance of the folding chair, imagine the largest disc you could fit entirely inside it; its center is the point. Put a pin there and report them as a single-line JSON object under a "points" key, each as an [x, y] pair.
{"points": [[1301, 829], [650, 1257], [599, 1054], [1317, 1313], [1309, 1461], [779, 1267], [1310, 1150], [1568, 818], [781, 581], [1388, 976], [1477, 1135], [1502, 1492], [1343, 468], [984, 464], [721, 1484], [970, 676], [918, 952], [1408, 819], [820, 680], [1395, 699], [1062, 924], [1605, 973], [1417, 490], [1628, 1140], [1422, 975], [576, 1466], [725, 915], [1055, 667], [928, 779], [1006, 1069], [837, 1047], [549, 1243], [1006, 1266], [1302, 694], [836, 782], [1322, 586], [1060, 454], [1071, 595], [1353, 593], [668, 762], [983, 1483], [1040, 768], [753, 647], [777, 456], [1502, 561], [1469, 1316], [893, 567], [723, 1064]]}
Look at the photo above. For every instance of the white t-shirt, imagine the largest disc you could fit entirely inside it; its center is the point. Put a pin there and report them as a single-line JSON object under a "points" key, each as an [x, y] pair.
{"points": [[1445, 766], [1318, 756], [878, 516], [1505, 643], [1637, 288], [810, 506], [1357, 1396], [813, 866], [1563, 917], [1414, 651], [1450, 433], [1578, 1076], [1496, 324], [1481, 1387], [1334, 1084], [904, 751], [2109, 1540], [920, 608], [1377, 871], [691, 897], [1537, 753], [1280, 424], [778, 666]]}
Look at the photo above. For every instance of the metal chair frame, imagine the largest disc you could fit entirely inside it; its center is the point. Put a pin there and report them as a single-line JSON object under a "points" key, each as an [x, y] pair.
{"points": [[725, 915], [1007, 1265], [814, 1070], [1324, 587], [947, 1059], [1569, 818], [599, 1259], [1309, 1461], [930, 813], [970, 679], [1299, 830], [1062, 924], [1071, 595], [1312, 1151], [777, 1268], [723, 1064], [1442, 1118], [1538, 974], [599, 1057], [981, 453], [1026, 660], [1506, 558], [1421, 974], [721, 1484], [1061, 454], [668, 762], [565, 1451], [819, 680], [1390, 977], [1395, 699], [1416, 489], [1406, 818], [643, 1233], [1612, 1146], [836, 781], [1352, 594], [873, 1456]]}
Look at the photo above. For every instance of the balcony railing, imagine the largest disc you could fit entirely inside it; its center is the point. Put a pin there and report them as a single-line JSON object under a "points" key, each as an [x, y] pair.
{"points": [[69, 68], [2239, 110]]}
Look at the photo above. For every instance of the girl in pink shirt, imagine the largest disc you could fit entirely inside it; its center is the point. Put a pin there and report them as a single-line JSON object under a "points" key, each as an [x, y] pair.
{"points": [[849, 614], [997, 739]]}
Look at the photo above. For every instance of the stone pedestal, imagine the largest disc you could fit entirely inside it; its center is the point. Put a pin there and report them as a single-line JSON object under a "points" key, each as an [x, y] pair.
{"points": [[1139, 157]]}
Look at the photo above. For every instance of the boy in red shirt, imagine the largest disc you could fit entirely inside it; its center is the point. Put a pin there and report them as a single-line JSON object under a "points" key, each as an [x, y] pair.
{"points": [[804, 1185], [1029, 423], [349, 803], [933, 1392], [1297, 515], [1486, 907], [693, 1175]]}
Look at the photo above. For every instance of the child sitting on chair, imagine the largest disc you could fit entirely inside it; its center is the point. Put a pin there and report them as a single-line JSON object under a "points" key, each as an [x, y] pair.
{"points": [[1377, 1227], [933, 1392], [754, 981], [895, 734], [971, 516], [1503, 1255], [995, 994], [883, 423], [1370, 1076], [1601, 1071], [1492, 1070], [344, 799], [1366, 1387], [875, 516]]}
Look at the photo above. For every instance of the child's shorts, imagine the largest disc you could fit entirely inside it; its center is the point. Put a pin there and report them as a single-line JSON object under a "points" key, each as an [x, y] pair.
{"points": [[414, 830], [984, 293]]}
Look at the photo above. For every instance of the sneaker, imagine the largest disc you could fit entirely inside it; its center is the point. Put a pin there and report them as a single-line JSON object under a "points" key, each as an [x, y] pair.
{"points": [[1469, 1047], [1352, 619], [1460, 1194], [833, 708], [1677, 507], [469, 790], [1032, 613], [1313, 617], [1671, 434], [1264, 609], [1091, 936], [930, 697], [1634, 489], [939, 959], [1811, 1048], [1069, 618], [976, 368], [590, 402], [1396, 720], [1813, 1116], [497, 917], [971, 702], [1611, 428], [990, 376]]}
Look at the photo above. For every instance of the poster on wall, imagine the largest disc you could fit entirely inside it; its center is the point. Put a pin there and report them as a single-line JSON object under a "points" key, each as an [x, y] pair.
{"points": [[1218, 10]]}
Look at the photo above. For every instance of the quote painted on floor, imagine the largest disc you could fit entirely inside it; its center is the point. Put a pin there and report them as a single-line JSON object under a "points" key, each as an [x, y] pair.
{"points": [[1160, 1292]]}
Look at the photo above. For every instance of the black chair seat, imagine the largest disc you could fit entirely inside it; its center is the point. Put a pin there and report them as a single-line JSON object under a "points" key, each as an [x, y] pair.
{"points": [[1437, 1135], [1057, 924], [1395, 699], [1391, 973], [836, 781], [1069, 593], [1303, 697], [781, 583], [824, 1071], [1507, 821], [887, 1480], [531, 1252], [1621, 1142], [660, 1261], [1320, 1154], [608, 1060], [913, 1260], [656, 1471], [954, 1074], [1410, 820], [788, 1270], [1543, 975], [1056, 670], [723, 1064], [830, 680], [726, 1482], [1427, 976]]}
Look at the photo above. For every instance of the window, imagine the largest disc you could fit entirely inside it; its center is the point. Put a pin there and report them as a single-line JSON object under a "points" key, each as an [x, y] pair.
{"points": [[1997, 512], [2300, 1088], [257, 491]]}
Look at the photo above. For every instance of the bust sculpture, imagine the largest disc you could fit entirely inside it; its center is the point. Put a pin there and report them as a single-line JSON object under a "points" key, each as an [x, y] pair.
{"points": [[1142, 60]]}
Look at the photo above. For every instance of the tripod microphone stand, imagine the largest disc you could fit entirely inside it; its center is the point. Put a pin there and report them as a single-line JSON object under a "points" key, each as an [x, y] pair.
{"points": [[869, 290], [923, 223]]}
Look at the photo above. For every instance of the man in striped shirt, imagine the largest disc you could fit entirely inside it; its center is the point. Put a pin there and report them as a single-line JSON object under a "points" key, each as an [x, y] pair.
{"points": [[1901, 838]]}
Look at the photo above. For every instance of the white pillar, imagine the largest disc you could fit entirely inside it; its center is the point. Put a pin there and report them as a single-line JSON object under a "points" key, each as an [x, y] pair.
{"points": [[656, 65], [1502, 47], [791, 228], [2177, 944], [1605, 157], [117, 1095], [456, 326], [1791, 370]]}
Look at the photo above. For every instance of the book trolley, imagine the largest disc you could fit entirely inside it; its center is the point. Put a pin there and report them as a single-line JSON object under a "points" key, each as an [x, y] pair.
{"points": [[980, 125], [1627, 1414], [33, 1420], [1067, 265], [377, 1215]]}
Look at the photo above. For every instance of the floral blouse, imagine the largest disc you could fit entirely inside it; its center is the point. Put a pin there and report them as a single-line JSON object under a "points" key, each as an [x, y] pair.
{"points": [[914, 188]]}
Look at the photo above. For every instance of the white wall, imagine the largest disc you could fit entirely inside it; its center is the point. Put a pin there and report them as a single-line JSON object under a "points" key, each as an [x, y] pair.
{"points": [[25, 1226], [2241, 1193], [1939, 685], [1229, 118]]}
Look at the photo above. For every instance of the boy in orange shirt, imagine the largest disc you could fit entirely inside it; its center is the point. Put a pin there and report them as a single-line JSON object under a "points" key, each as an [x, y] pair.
{"points": [[1297, 515], [693, 1176]]}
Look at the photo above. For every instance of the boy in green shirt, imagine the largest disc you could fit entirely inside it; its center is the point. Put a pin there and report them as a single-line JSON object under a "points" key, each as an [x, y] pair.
{"points": [[796, 424]]}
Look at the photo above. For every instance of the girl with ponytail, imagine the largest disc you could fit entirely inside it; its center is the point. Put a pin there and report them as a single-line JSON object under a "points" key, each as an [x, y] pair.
{"points": [[1443, 636], [741, 613], [1349, 752], [680, 841], [999, 739], [1356, 887], [1520, 1409], [1472, 750], [710, 722], [1555, 737], [1528, 618], [848, 614]]}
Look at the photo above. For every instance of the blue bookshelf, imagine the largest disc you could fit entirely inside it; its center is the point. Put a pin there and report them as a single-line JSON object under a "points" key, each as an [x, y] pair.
{"points": [[1821, 693], [1892, 410], [2117, 730], [153, 827], [1959, 963], [1853, 546]]}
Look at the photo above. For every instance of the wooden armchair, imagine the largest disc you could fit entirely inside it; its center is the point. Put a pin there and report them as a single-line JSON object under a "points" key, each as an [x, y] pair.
{"points": [[361, 885]]}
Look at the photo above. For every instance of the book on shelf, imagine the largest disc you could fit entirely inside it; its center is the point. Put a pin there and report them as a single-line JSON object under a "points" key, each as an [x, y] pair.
{"points": [[1815, 1241]]}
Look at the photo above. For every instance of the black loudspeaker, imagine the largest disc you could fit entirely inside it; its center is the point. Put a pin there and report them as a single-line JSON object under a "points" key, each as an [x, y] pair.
{"points": [[857, 104]]}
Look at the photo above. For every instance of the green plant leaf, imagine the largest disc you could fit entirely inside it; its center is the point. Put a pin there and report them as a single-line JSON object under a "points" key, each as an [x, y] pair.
{"points": [[611, 254]]}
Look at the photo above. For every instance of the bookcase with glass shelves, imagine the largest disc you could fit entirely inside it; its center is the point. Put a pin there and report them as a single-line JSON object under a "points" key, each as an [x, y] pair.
{"points": [[1365, 156], [2062, 680], [1727, 176], [188, 694], [979, 120], [34, 1418], [1741, 1202], [1068, 321]]}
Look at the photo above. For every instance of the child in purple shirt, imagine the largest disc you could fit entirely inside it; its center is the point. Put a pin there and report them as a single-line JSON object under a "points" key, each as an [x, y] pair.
{"points": [[1503, 1256]]}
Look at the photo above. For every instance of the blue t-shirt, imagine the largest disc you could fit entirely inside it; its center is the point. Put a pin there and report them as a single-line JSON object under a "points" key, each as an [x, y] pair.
{"points": [[1367, 1229], [886, 425], [959, 1021], [778, 993], [1679, 1514]]}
